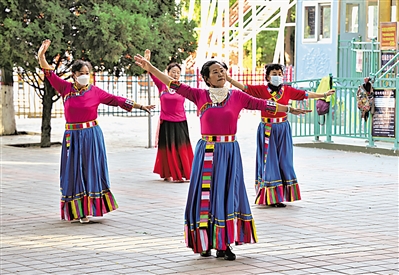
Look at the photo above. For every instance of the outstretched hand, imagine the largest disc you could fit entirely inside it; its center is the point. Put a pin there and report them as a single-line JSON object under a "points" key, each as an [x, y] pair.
{"points": [[148, 108], [295, 111], [147, 54], [330, 92], [142, 62], [42, 57], [43, 48]]}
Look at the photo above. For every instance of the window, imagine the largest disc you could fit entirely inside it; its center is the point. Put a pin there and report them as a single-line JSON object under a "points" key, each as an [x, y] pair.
{"points": [[352, 18], [325, 21], [372, 20], [317, 22], [310, 22]]}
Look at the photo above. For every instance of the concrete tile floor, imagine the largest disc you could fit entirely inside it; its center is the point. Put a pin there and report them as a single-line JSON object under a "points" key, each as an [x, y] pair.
{"points": [[346, 222]]}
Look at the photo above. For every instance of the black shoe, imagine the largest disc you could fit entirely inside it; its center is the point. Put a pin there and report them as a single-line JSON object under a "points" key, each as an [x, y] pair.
{"points": [[220, 253], [229, 256], [280, 204], [206, 253]]}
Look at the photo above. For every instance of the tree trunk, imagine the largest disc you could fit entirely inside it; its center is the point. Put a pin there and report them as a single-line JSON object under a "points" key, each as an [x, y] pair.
{"points": [[7, 112], [46, 116]]}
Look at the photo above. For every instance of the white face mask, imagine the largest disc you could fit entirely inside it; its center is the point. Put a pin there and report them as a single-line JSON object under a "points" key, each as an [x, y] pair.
{"points": [[276, 80], [83, 79]]}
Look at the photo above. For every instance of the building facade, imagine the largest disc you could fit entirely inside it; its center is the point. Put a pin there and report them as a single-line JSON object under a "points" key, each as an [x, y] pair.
{"points": [[325, 28]]}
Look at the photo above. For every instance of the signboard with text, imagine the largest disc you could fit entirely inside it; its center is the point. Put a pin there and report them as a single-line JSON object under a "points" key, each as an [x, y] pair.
{"points": [[383, 124], [389, 35]]}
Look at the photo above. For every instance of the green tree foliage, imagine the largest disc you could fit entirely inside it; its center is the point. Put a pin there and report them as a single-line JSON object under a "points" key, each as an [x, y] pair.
{"points": [[106, 33], [103, 32], [266, 43]]}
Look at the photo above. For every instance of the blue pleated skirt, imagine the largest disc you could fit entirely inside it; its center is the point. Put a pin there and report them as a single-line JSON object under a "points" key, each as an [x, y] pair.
{"points": [[84, 180], [275, 176], [229, 215]]}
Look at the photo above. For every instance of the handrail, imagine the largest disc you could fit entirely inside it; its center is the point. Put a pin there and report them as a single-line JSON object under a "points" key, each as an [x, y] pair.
{"points": [[386, 65]]}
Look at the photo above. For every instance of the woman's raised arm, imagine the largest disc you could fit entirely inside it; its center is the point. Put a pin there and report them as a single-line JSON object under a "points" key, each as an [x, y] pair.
{"points": [[42, 57], [146, 65], [235, 83]]}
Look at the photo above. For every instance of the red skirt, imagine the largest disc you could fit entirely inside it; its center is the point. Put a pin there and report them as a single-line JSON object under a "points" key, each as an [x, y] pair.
{"points": [[175, 154]]}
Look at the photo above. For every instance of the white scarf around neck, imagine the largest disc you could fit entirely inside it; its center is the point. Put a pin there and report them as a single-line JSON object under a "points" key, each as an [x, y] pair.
{"points": [[218, 94]]}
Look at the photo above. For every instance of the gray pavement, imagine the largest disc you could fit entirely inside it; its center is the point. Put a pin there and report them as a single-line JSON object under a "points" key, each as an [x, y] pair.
{"points": [[346, 222]]}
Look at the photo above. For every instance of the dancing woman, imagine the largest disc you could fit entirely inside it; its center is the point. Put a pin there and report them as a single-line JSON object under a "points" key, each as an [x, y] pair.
{"points": [[174, 155], [217, 210], [84, 181]]}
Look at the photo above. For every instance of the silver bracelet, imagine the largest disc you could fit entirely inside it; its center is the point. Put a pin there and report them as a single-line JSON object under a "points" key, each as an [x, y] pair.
{"points": [[288, 109]]}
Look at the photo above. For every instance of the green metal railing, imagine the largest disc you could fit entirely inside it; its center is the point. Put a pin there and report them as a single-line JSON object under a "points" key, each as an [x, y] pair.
{"points": [[357, 58], [344, 119], [388, 69]]}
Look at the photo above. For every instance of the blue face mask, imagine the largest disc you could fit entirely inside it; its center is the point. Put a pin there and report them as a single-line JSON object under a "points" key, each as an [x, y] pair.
{"points": [[276, 80]]}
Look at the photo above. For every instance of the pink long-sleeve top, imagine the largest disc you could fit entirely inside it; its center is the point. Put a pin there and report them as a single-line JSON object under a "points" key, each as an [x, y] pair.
{"points": [[81, 105], [221, 118], [283, 96], [172, 104]]}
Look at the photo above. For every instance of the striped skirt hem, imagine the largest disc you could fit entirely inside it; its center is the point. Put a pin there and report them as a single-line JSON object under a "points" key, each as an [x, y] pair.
{"points": [[88, 206]]}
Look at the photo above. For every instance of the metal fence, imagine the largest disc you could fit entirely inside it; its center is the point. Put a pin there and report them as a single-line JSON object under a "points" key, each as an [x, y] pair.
{"points": [[361, 59], [344, 119], [140, 89], [358, 58]]}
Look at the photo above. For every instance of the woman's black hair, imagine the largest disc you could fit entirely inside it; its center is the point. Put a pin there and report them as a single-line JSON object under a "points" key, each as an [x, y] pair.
{"points": [[205, 69], [273, 66], [78, 64], [172, 65], [224, 66]]}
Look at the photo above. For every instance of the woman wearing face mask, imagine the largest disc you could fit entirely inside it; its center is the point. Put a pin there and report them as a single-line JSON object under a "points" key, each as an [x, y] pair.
{"points": [[275, 176], [174, 155], [217, 210], [84, 181]]}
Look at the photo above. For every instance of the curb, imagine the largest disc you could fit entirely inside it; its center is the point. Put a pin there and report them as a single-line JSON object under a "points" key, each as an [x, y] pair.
{"points": [[349, 148]]}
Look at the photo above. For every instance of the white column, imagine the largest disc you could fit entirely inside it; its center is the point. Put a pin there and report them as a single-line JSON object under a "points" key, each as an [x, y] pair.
{"points": [[254, 30]]}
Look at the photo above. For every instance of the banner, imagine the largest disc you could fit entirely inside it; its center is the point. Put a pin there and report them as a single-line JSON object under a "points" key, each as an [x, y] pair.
{"points": [[383, 124], [359, 61]]}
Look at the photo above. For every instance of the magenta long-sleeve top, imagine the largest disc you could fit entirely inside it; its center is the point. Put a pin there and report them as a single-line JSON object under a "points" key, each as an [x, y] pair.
{"points": [[172, 104], [221, 118], [82, 105]]}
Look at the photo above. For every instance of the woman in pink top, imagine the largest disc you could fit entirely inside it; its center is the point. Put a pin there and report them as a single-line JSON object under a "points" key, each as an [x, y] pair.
{"points": [[174, 155], [217, 210], [84, 181]]}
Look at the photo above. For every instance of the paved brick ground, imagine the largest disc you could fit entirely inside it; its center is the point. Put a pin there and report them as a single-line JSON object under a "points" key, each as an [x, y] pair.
{"points": [[346, 222]]}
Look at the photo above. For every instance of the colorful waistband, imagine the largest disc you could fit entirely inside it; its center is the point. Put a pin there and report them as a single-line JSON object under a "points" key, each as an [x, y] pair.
{"points": [[83, 125], [229, 138], [274, 119]]}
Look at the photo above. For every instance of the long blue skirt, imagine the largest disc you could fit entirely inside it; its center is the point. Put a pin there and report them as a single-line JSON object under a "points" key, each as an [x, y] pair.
{"points": [[84, 180], [228, 215], [275, 176]]}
